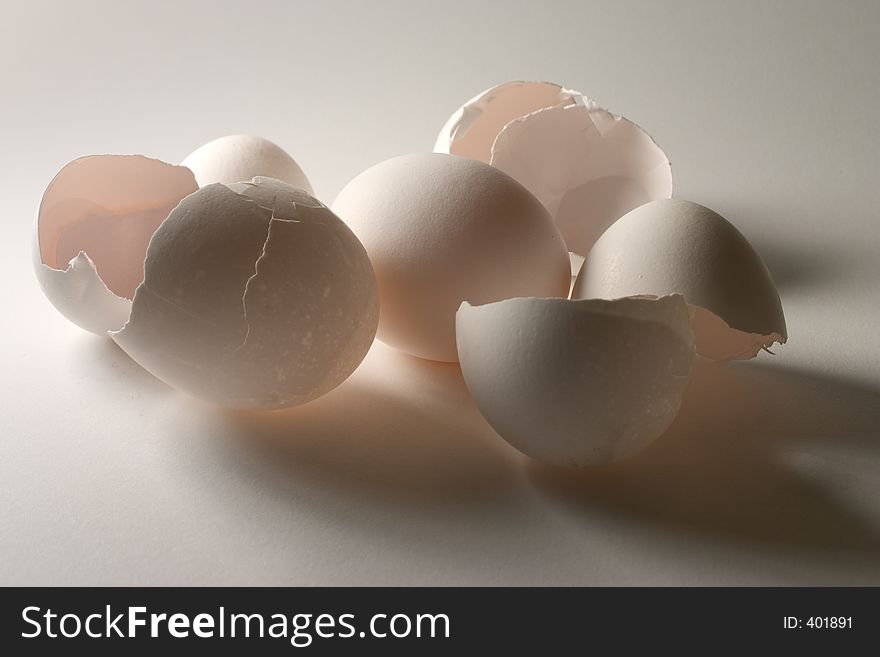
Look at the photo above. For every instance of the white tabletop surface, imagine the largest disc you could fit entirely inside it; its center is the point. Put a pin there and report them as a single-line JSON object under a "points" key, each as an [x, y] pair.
{"points": [[771, 474]]}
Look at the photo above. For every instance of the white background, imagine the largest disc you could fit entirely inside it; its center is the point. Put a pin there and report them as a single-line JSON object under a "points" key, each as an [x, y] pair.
{"points": [[768, 111]]}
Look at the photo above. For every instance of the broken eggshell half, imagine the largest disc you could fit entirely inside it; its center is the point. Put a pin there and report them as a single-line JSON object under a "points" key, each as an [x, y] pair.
{"points": [[473, 127], [255, 296], [95, 221], [579, 383], [234, 158], [586, 165], [674, 246]]}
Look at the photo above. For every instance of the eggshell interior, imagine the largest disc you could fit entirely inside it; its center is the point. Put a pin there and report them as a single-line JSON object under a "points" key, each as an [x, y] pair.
{"points": [[472, 129], [81, 296], [235, 158], [586, 165], [95, 221], [442, 229], [676, 246], [255, 297], [579, 383]]}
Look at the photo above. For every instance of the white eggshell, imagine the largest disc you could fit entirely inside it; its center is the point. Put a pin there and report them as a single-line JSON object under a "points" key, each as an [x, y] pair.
{"points": [[256, 297], [441, 230], [675, 246], [586, 165], [472, 128], [95, 220], [237, 158], [577, 382]]}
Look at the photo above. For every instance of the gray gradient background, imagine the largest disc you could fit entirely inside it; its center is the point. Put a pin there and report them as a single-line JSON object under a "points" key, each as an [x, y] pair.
{"points": [[770, 475]]}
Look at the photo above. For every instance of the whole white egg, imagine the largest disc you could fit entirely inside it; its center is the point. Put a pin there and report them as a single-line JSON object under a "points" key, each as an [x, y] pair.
{"points": [[442, 229], [234, 158]]}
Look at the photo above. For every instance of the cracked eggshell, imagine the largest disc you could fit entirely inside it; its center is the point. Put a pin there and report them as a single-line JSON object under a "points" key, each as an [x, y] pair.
{"points": [[586, 165], [675, 246], [472, 129], [235, 158], [442, 229], [95, 221], [254, 297], [579, 383]]}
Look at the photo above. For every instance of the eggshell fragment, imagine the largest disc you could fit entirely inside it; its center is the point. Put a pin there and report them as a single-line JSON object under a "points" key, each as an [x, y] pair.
{"points": [[587, 166], [254, 297], [472, 129], [675, 246], [95, 220], [442, 229], [235, 158], [577, 382]]}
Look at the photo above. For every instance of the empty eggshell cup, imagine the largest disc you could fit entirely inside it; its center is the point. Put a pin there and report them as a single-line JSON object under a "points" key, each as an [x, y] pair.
{"points": [[272, 304], [586, 165], [95, 221], [678, 247], [250, 295], [579, 383]]}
